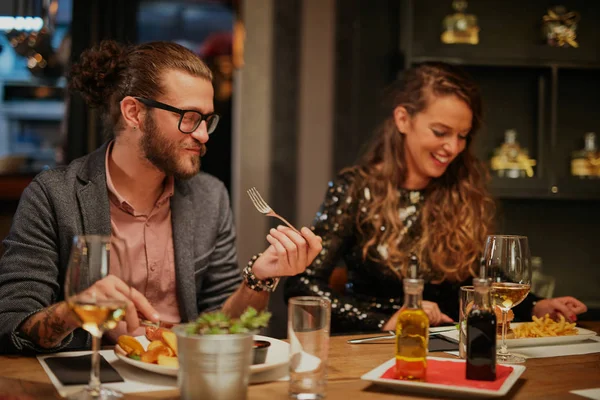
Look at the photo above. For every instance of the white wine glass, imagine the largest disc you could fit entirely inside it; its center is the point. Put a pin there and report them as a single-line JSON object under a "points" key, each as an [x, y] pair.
{"points": [[508, 263], [90, 292]]}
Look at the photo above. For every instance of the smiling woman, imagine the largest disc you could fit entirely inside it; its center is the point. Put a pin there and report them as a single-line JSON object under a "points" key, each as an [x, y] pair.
{"points": [[418, 189]]}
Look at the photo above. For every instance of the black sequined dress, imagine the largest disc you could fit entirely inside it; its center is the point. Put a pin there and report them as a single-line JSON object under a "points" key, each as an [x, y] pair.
{"points": [[373, 292]]}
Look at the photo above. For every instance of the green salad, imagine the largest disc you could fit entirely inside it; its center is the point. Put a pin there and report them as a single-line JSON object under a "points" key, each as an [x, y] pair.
{"points": [[218, 323]]}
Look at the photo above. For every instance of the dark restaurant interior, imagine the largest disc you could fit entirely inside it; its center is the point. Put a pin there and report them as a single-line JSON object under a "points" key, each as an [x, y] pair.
{"points": [[302, 102]]}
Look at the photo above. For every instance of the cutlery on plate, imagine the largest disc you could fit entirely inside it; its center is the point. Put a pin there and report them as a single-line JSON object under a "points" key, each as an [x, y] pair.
{"points": [[392, 335]]}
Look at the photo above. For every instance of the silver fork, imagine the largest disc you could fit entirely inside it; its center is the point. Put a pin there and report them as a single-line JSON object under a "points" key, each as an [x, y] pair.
{"points": [[264, 208]]}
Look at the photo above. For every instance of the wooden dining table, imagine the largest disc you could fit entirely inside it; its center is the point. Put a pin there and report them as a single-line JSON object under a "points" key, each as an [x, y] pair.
{"points": [[545, 378]]}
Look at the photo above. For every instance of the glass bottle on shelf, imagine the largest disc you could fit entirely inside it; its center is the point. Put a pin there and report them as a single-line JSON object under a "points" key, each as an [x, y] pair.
{"points": [[460, 27], [412, 329], [510, 160], [585, 163]]}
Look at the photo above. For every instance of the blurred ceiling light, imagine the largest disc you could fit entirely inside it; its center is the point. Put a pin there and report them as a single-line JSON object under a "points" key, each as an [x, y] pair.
{"points": [[27, 24]]}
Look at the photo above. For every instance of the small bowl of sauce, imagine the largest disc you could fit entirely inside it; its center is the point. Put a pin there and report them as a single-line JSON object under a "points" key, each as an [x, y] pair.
{"points": [[261, 348]]}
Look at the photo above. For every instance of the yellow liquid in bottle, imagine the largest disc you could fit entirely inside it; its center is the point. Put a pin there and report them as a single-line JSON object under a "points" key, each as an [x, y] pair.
{"points": [[412, 339]]}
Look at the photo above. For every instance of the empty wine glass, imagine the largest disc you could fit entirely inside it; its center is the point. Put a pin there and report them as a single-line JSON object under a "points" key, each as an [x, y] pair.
{"points": [[90, 293], [508, 263]]}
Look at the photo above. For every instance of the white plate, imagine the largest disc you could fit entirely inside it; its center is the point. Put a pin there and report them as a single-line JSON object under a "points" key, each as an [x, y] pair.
{"points": [[582, 334], [439, 389], [277, 356]]}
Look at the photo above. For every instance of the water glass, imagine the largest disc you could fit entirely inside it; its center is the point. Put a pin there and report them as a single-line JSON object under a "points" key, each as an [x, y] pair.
{"points": [[466, 298], [308, 331]]}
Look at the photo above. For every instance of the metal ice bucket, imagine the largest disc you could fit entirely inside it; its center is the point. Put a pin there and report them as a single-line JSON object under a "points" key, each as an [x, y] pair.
{"points": [[215, 367]]}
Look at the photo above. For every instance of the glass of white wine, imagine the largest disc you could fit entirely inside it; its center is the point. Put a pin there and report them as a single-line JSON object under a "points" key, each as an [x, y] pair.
{"points": [[89, 292], [508, 263]]}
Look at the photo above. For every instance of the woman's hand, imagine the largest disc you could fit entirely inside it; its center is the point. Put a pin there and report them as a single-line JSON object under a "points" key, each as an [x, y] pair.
{"points": [[436, 317], [289, 253], [568, 306]]}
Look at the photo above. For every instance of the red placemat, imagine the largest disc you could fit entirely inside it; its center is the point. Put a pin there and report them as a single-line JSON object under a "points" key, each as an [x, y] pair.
{"points": [[454, 374]]}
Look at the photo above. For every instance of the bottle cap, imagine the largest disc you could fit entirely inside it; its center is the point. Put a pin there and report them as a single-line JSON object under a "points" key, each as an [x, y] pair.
{"points": [[482, 267], [413, 266], [510, 136], [411, 283], [590, 141], [481, 283]]}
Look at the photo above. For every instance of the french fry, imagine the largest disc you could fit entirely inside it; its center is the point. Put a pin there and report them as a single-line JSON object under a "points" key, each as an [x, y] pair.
{"points": [[130, 345], [151, 356], [155, 343], [159, 343], [170, 339], [168, 361], [162, 350]]}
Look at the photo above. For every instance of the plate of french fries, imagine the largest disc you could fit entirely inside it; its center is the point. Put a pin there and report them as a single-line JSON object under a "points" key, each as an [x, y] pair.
{"points": [[157, 352], [539, 332], [544, 331]]}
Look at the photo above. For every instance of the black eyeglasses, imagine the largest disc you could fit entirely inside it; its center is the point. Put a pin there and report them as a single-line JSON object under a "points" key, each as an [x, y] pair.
{"points": [[189, 120]]}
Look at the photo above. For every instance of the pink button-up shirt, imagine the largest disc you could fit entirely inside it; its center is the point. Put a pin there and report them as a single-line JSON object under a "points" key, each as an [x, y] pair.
{"points": [[149, 253]]}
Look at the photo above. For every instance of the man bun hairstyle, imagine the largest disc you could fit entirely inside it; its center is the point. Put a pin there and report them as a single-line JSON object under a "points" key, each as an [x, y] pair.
{"points": [[96, 75], [110, 71]]}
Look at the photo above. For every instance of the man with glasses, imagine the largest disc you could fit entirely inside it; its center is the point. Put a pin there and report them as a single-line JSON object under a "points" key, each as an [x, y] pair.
{"points": [[143, 186]]}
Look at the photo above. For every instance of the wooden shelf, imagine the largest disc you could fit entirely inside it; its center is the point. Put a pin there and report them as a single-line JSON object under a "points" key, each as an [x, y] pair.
{"points": [[506, 62], [523, 188], [568, 188], [578, 188]]}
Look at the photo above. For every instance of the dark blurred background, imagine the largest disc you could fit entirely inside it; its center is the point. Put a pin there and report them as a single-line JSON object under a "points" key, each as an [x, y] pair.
{"points": [[311, 86]]}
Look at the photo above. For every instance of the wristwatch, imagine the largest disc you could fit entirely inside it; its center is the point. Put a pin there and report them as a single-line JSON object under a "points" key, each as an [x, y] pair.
{"points": [[258, 285]]}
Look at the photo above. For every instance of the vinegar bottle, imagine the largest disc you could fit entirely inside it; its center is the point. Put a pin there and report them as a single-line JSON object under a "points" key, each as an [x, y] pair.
{"points": [[481, 334], [412, 330]]}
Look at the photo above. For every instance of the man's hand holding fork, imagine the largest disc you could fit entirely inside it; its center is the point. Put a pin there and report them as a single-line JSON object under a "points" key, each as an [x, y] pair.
{"points": [[290, 252]]}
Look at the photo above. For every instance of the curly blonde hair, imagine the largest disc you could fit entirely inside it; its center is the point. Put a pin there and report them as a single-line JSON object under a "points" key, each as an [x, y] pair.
{"points": [[458, 212]]}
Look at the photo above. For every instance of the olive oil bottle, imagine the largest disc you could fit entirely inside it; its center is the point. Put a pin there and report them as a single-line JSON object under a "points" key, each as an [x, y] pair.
{"points": [[412, 330]]}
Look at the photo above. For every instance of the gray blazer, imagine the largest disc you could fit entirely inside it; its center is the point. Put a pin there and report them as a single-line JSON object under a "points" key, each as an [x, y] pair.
{"points": [[73, 200]]}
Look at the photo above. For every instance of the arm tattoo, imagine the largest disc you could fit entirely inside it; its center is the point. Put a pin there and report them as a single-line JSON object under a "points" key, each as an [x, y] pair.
{"points": [[47, 328]]}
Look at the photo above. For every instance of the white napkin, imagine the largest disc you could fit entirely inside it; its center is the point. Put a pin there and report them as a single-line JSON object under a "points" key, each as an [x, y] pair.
{"points": [[304, 362], [593, 394], [136, 380], [589, 346]]}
